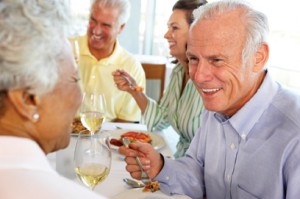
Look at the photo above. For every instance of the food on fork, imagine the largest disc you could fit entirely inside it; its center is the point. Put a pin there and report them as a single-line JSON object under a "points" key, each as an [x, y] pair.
{"points": [[138, 88], [152, 186], [135, 88], [132, 136]]}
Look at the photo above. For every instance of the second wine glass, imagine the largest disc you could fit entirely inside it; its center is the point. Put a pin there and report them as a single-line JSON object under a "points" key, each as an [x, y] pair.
{"points": [[92, 111], [75, 48], [92, 158]]}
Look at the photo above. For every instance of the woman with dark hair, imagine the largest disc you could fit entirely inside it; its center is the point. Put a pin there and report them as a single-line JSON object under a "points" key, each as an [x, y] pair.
{"points": [[181, 105]]}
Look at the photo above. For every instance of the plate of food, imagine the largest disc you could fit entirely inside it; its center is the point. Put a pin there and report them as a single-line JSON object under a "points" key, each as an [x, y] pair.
{"points": [[154, 139], [77, 127]]}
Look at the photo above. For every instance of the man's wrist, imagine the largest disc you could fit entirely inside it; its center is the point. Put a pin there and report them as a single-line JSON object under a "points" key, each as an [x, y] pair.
{"points": [[161, 163]]}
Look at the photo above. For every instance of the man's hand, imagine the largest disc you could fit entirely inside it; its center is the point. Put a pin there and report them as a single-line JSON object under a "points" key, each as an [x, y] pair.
{"points": [[151, 160]]}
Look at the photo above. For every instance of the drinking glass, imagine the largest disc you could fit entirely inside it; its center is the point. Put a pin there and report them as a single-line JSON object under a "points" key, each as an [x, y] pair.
{"points": [[92, 158], [75, 47], [92, 111]]}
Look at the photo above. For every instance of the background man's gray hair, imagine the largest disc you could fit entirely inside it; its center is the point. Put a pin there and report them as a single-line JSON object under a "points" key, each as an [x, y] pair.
{"points": [[31, 44], [122, 5], [256, 23]]}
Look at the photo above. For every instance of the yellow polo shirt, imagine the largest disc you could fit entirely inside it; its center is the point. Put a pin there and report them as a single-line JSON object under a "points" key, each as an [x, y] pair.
{"points": [[97, 75]]}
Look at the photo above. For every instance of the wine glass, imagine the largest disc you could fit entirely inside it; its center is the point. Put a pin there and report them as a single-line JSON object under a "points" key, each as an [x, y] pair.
{"points": [[92, 111], [92, 158], [75, 47]]}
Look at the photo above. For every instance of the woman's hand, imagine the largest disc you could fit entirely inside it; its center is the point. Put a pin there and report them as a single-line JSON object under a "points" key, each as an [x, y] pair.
{"points": [[134, 90], [151, 160], [122, 83]]}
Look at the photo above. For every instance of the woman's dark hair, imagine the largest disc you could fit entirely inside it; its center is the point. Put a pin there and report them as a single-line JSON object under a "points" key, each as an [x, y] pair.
{"points": [[189, 6]]}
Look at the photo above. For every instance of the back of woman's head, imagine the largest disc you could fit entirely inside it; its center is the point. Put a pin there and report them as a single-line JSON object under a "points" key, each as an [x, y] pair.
{"points": [[31, 44], [189, 6]]}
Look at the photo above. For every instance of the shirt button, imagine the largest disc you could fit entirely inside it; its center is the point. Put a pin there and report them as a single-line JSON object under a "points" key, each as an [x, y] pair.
{"points": [[243, 136], [232, 146], [167, 178]]}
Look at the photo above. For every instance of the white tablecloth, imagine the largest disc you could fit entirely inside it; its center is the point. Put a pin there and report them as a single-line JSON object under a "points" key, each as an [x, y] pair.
{"points": [[113, 185]]}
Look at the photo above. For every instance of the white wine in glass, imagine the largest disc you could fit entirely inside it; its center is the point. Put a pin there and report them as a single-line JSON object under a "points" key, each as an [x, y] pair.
{"points": [[92, 111], [92, 120], [92, 159]]}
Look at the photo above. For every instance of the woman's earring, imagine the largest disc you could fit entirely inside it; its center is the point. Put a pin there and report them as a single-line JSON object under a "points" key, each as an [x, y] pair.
{"points": [[35, 117]]}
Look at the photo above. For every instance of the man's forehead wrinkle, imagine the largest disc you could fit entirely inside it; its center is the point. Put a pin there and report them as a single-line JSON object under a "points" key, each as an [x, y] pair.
{"points": [[196, 43], [201, 38]]}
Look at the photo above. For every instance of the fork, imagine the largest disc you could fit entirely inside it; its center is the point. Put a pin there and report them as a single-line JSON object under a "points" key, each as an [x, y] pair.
{"points": [[144, 177], [129, 82]]}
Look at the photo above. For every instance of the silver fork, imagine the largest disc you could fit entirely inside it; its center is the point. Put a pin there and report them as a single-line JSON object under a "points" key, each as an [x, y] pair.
{"points": [[144, 177], [129, 82]]}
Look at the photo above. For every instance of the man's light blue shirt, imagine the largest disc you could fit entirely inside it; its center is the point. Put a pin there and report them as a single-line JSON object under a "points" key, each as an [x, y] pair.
{"points": [[253, 154]]}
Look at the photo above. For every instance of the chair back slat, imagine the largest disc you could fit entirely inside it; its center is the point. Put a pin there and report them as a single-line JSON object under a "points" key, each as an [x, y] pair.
{"points": [[156, 72]]}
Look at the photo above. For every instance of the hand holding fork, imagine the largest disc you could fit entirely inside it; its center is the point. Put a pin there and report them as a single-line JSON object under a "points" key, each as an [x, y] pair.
{"points": [[144, 177], [132, 86]]}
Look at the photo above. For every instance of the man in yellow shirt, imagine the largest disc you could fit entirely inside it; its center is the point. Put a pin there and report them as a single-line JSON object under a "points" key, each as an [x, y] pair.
{"points": [[100, 54]]}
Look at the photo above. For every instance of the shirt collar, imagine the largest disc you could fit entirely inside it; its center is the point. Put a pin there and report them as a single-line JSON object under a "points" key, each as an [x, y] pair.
{"points": [[105, 61], [83, 43], [244, 120], [178, 68]]}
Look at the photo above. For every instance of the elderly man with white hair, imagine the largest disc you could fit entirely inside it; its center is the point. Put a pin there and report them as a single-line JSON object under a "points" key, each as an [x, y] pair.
{"points": [[249, 143], [100, 53]]}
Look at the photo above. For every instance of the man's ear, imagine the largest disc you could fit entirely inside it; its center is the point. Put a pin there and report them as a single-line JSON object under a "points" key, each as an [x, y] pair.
{"points": [[24, 103], [261, 57], [121, 28]]}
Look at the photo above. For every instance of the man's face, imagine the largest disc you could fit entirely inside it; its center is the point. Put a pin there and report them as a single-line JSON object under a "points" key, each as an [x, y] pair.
{"points": [[215, 63], [103, 30]]}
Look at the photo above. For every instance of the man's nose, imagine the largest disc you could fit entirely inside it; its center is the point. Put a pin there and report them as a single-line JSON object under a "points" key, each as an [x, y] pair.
{"points": [[203, 72], [97, 30]]}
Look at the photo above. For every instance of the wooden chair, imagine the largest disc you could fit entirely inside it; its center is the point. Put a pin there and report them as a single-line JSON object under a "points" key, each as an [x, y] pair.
{"points": [[156, 71]]}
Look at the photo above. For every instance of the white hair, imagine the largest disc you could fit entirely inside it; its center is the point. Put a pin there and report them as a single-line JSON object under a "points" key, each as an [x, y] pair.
{"points": [[256, 23], [122, 5], [31, 44]]}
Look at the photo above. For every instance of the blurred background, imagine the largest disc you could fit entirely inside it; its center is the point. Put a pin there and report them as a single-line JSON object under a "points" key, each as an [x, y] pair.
{"points": [[143, 34]]}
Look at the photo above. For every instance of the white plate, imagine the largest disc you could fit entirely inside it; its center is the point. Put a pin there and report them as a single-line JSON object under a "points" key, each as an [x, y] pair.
{"points": [[157, 141], [139, 194]]}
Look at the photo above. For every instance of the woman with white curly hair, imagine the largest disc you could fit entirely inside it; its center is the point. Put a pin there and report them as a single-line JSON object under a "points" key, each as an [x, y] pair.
{"points": [[39, 96]]}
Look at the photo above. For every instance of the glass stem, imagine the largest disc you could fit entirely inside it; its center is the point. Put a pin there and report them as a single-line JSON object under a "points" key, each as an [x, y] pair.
{"points": [[93, 143]]}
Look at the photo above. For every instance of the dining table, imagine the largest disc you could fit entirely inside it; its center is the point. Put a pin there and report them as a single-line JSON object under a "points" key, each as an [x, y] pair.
{"points": [[114, 186]]}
